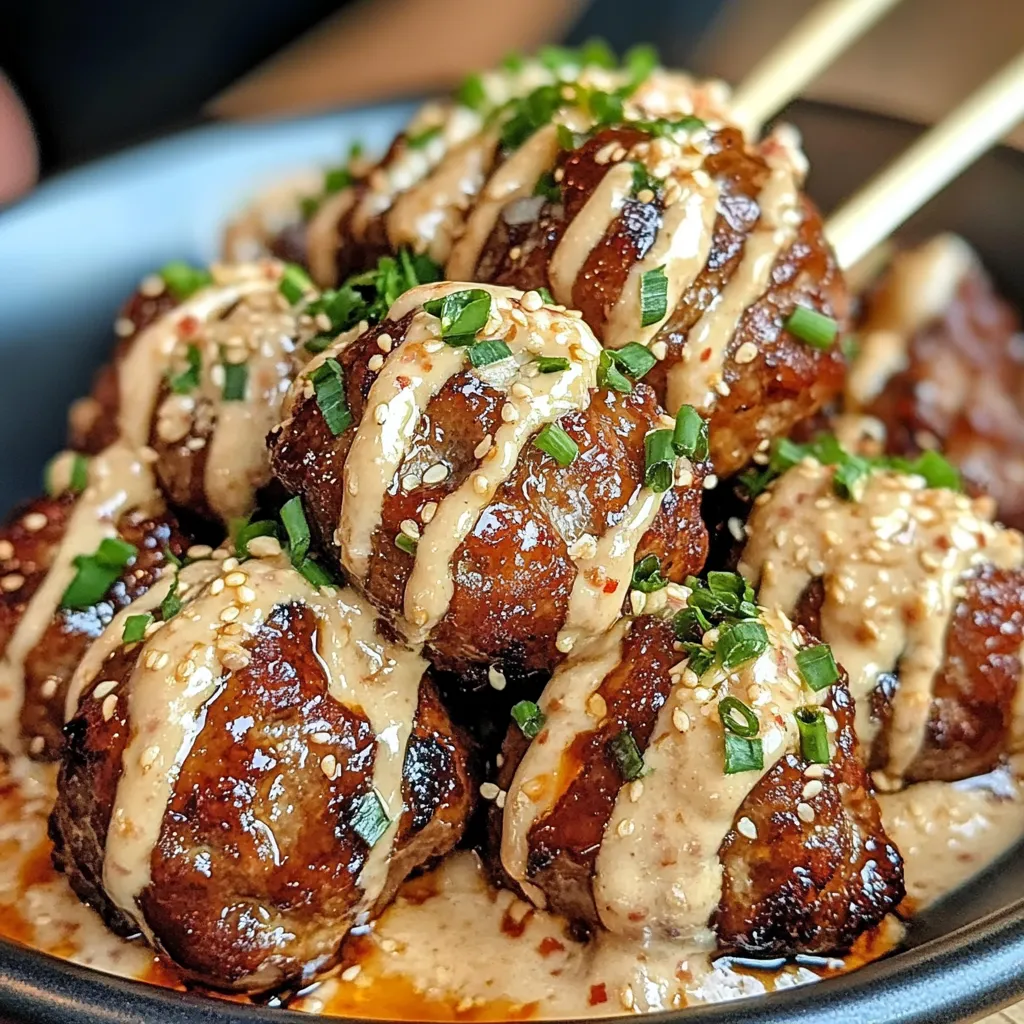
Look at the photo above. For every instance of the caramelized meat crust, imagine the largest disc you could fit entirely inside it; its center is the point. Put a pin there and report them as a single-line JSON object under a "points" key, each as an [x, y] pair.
{"points": [[969, 729], [29, 542], [513, 573], [254, 877], [809, 886], [962, 391], [786, 380]]}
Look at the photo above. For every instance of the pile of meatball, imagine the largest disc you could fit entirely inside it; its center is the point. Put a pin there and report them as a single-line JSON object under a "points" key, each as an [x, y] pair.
{"points": [[422, 494]]}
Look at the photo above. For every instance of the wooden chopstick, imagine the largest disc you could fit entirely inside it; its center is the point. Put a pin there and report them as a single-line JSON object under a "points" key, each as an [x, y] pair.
{"points": [[814, 42], [935, 159]]}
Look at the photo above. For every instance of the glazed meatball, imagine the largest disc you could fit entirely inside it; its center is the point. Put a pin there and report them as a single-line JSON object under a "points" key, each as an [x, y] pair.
{"points": [[941, 364], [667, 793], [446, 503], [197, 380], [662, 227], [68, 563], [921, 598], [254, 777]]}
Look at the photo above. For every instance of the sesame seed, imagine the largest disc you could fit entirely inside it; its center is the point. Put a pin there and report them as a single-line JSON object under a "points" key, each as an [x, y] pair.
{"points": [[489, 791], [747, 828], [636, 790], [483, 447], [230, 563], [329, 765], [496, 677], [637, 601], [710, 482], [37, 745], [429, 511], [148, 757], [815, 771], [384, 342], [352, 486], [109, 706], [197, 551], [626, 827], [152, 286], [811, 789], [374, 363], [480, 483], [509, 413], [49, 687], [521, 390], [597, 706], [246, 595], [6, 550], [235, 579], [626, 997], [34, 522], [265, 547], [805, 812], [410, 529], [12, 582], [230, 613], [380, 413], [410, 482], [500, 799], [162, 660], [531, 301], [123, 327], [351, 973], [584, 547], [681, 720], [515, 252], [436, 474], [217, 586], [102, 689], [565, 644], [645, 195], [659, 350], [746, 353]]}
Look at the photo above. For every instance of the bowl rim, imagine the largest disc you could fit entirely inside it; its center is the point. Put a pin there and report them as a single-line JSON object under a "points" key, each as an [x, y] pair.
{"points": [[958, 976]]}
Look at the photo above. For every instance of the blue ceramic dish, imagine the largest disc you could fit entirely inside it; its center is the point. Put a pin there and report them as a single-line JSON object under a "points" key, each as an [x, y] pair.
{"points": [[69, 255]]}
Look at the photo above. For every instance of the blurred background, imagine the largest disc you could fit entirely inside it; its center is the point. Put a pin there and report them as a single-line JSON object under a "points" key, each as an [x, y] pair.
{"points": [[79, 80]]}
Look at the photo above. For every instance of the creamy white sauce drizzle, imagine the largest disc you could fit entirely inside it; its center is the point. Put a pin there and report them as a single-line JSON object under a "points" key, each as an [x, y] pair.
{"points": [[167, 698], [891, 563], [323, 236], [695, 378], [118, 482], [918, 288]]}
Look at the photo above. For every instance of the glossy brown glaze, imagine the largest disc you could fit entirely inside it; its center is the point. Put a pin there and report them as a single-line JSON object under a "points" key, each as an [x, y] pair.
{"points": [[254, 875], [512, 574], [969, 726], [34, 534], [563, 846], [809, 886], [962, 391]]}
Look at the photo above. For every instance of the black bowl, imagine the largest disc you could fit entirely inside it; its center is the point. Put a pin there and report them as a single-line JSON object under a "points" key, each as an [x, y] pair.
{"points": [[71, 252]]}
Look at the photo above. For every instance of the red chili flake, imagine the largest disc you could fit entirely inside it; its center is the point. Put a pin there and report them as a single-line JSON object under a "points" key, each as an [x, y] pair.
{"points": [[549, 945], [598, 994], [403, 382], [705, 355], [611, 586], [187, 326]]}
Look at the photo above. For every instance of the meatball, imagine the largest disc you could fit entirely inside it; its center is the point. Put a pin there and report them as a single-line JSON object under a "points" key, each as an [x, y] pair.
{"points": [[68, 563], [669, 794], [447, 505], [254, 777], [199, 382], [663, 228], [921, 598], [941, 364]]}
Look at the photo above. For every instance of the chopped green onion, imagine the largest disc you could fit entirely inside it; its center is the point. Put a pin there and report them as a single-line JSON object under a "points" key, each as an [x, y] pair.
{"points": [[548, 188], [635, 359], [472, 93], [664, 128], [644, 181], [172, 558], [690, 437], [554, 58], [627, 755], [336, 179], [647, 576], [405, 543], [424, 137], [236, 378], [597, 53], [528, 717], [606, 107], [294, 520], [849, 474], [936, 470], [329, 387], [610, 376], [513, 62], [295, 284], [691, 624], [248, 531], [370, 820], [740, 643], [812, 327], [183, 280], [728, 708], [188, 380], [552, 364], [810, 722], [462, 314], [698, 658], [77, 480], [315, 573], [567, 138], [640, 61], [653, 296], [660, 459], [554, 441], [96, 573], [135, 627], [171, 604], [733, 592], [483, 353], [545, 294], [817, 666], [742, 754]]}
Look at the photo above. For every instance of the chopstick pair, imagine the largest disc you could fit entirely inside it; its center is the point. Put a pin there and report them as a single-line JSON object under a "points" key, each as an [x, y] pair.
{"points": [[866, 219]]}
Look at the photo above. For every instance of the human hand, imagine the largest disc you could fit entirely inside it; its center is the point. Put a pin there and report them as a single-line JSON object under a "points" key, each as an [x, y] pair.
{"points": [[19, 161]]}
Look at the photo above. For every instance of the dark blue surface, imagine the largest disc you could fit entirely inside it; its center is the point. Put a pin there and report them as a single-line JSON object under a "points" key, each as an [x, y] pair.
{"points": [[72, 252]]}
